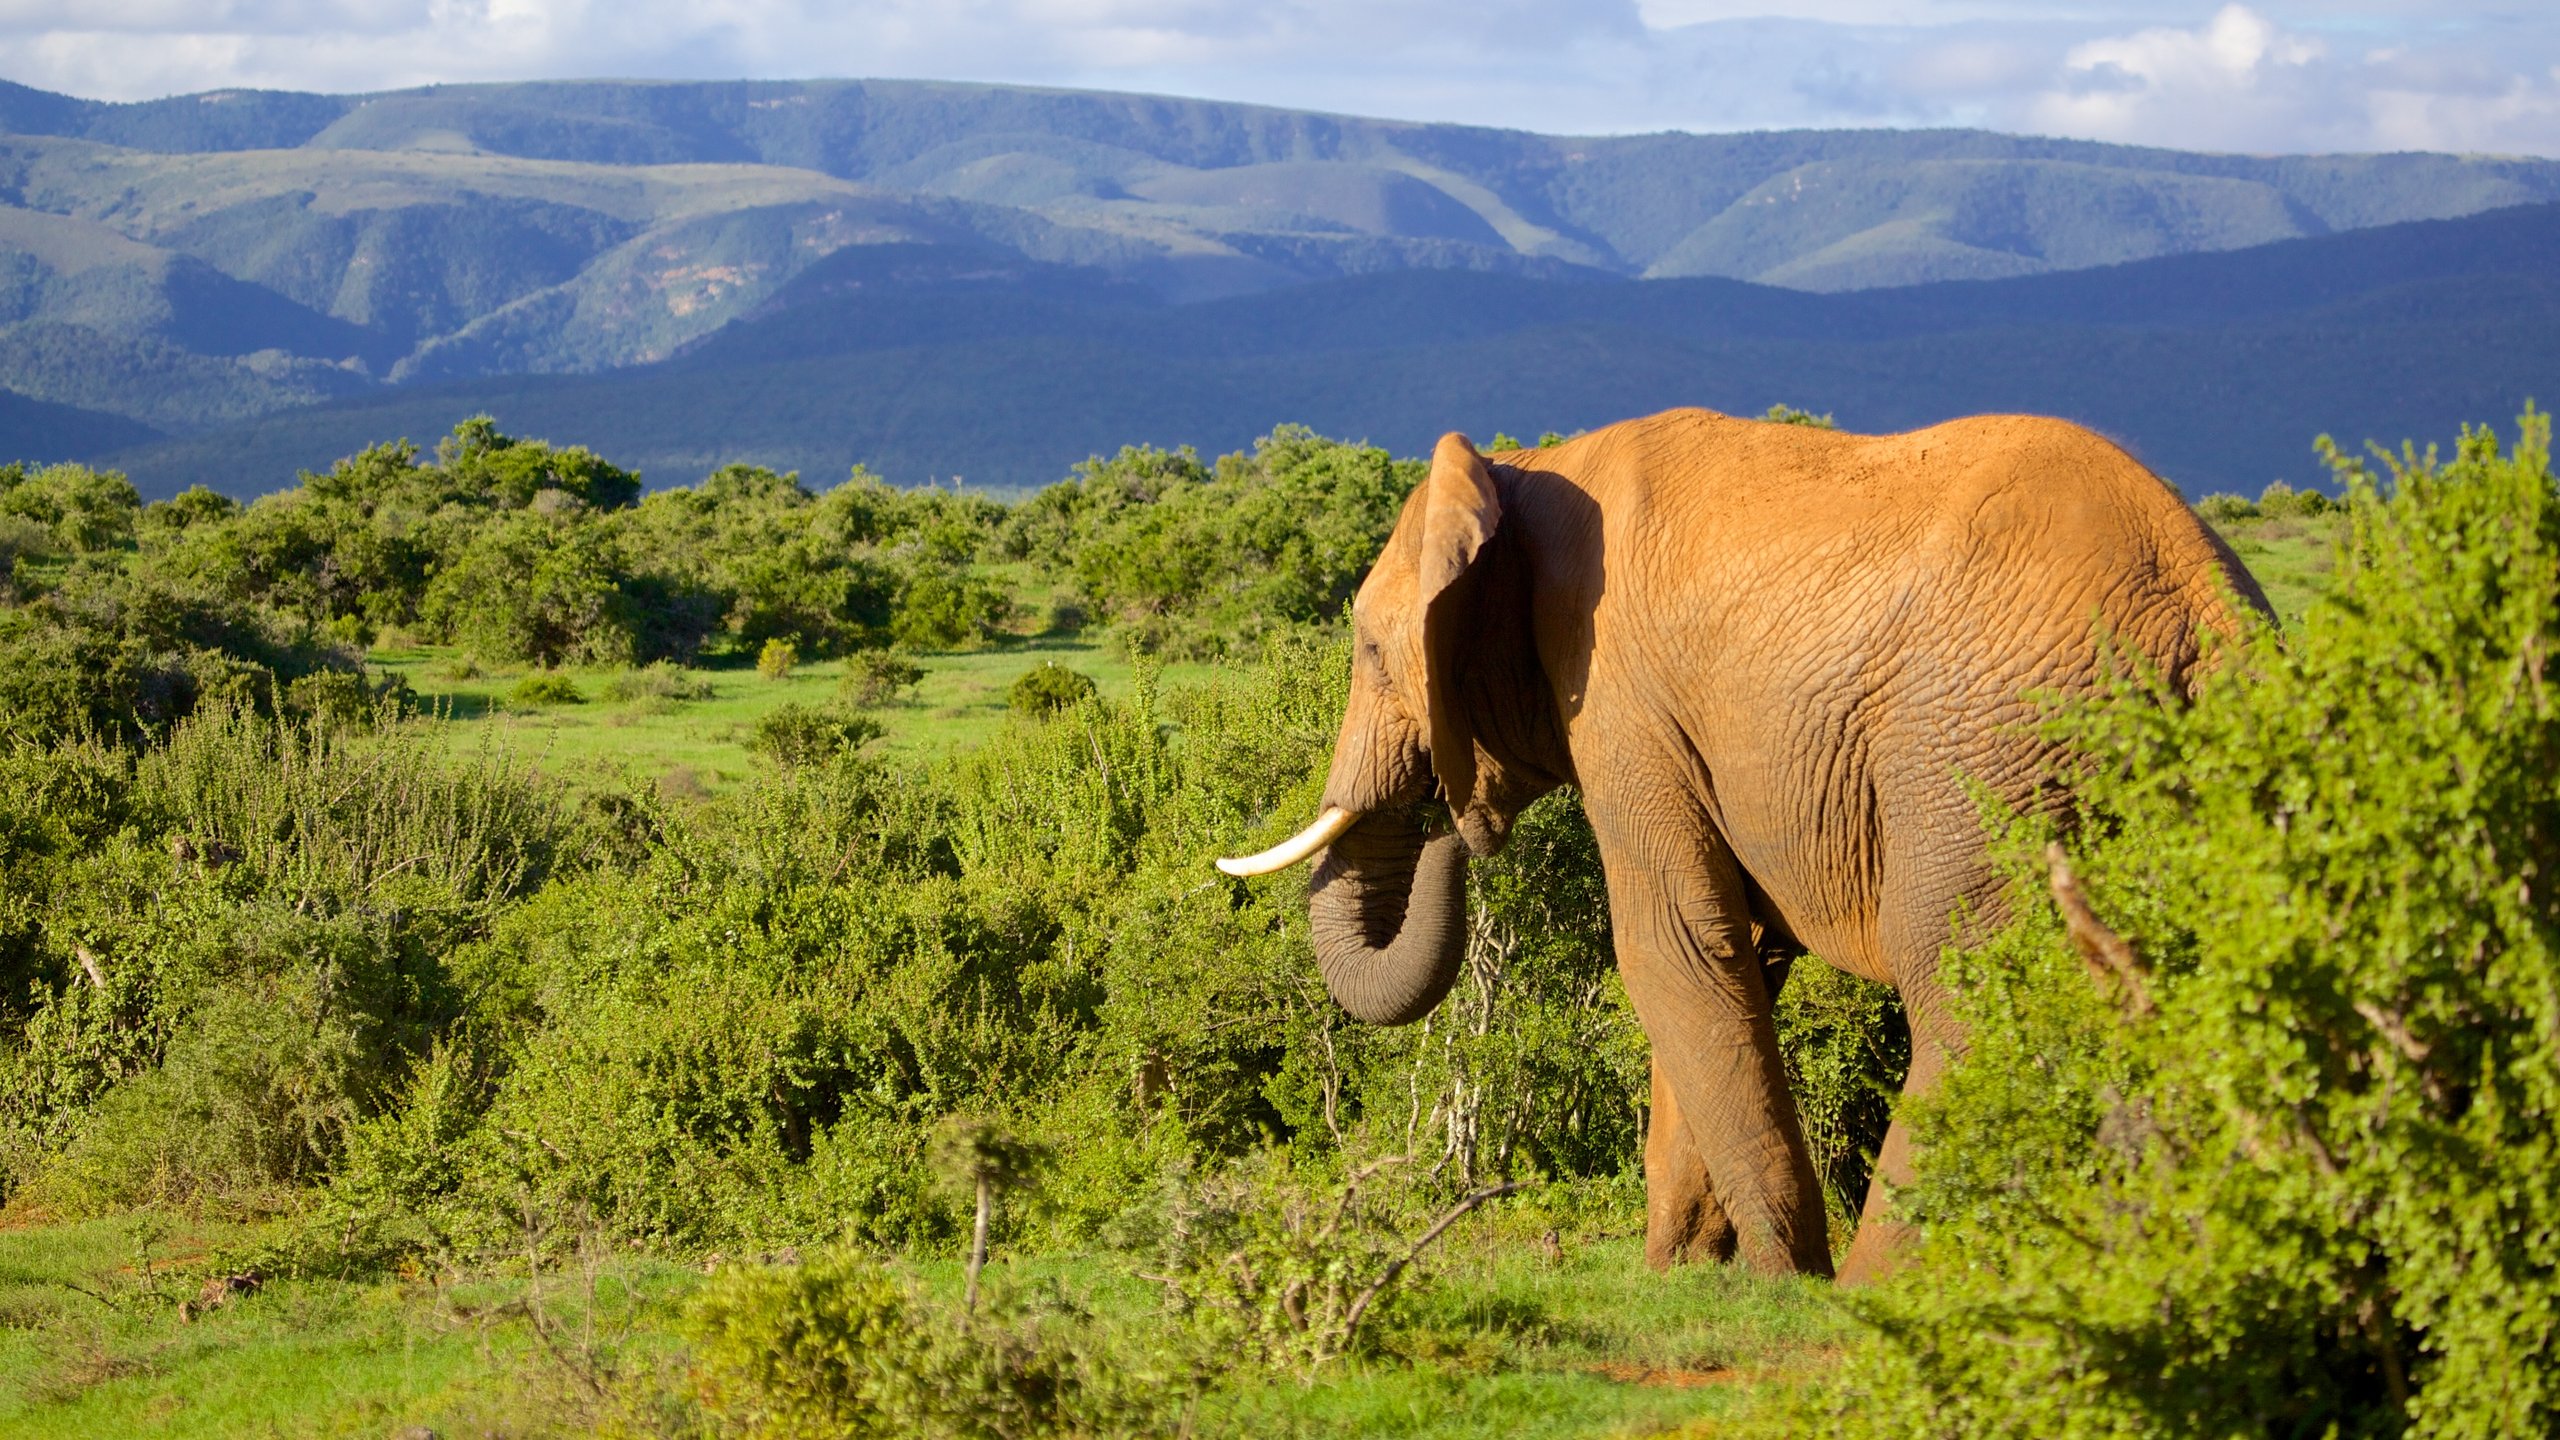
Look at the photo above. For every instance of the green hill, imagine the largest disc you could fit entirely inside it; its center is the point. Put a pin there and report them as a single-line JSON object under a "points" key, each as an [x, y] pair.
{"points": [[2217, 369]]}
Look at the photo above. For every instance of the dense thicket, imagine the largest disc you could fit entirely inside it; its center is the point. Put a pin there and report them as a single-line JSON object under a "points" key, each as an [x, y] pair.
{"points": [[519, 552], [2287, 1164], [274, 953], [1202, 558]]}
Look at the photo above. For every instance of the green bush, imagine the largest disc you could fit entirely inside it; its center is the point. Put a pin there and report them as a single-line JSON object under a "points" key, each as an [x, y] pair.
{"points": [[534, 589], [878, 677], [838, 1347], [1847, 1048], [195, 505], [1265, 1266], [1196, 560], [491, 467], [1546, 440], [658, 681], [2292, 1164], [347, 697], [251, 961], [253, 1098], [20, 538], [947, 607], [297, 553], [750, 556], [81, 510], [797, 734], [776, 659], [2223, 509], [126, 656], [547, 687], [1047, 688], [2280, 501]]}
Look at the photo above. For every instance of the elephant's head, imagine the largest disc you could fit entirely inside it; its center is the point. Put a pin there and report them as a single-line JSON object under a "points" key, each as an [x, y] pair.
{"points": [[1447, 704]]}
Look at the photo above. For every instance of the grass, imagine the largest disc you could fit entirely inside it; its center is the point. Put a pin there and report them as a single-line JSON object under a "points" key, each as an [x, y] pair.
{"points": [[2292, 558], [1592, 1343], [1510, 1343], [698, 746], [94, 1343]]}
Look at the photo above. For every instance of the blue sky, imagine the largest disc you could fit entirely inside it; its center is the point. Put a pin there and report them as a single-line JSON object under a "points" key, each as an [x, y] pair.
{"points": [[2264, 76]]}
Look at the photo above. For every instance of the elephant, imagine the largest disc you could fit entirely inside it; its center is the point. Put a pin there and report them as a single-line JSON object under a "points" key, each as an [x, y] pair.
{"points": [[1782, 664]]}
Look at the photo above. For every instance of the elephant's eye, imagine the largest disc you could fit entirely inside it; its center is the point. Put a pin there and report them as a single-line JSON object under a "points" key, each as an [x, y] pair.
{"points": [[1371, 664]]}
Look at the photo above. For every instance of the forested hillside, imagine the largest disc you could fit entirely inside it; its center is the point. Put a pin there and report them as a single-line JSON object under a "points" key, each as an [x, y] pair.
{"points": [[189, 265], [2216, 369]]}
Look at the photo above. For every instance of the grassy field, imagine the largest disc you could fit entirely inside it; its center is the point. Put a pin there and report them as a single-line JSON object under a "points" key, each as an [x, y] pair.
{"points": [[691, 747], [2292, 558], [93, 1342]]}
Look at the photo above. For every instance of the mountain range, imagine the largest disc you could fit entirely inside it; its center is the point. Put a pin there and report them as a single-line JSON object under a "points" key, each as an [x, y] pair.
{"points": [[992, 282]]}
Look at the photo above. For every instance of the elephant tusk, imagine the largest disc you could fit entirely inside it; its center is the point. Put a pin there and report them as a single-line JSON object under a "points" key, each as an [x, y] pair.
{"points": [[1327, 829]]}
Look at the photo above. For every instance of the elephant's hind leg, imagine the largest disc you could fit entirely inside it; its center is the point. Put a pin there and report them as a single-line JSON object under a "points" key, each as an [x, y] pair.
{"points": [[1914, 928], [1881, 1237], [1683, 1223]]}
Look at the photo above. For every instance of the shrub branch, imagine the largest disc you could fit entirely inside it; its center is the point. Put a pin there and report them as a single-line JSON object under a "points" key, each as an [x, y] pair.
{"points": [[2109, 956]]}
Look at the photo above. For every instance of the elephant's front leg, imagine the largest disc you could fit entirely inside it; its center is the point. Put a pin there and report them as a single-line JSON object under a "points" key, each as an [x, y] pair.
{"points": [[1683, 1223], [1683, 926]]}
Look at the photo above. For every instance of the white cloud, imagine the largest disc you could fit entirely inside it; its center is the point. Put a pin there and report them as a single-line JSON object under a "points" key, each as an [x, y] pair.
{"points": [[132, 49], [2521, 117], [2241, 81], [2236, 82], [2263, 75]]}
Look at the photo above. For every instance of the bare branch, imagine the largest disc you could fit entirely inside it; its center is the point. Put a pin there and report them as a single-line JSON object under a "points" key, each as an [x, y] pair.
{"points": [[2108, 955], [1360, 1307], [2395, 1030]]}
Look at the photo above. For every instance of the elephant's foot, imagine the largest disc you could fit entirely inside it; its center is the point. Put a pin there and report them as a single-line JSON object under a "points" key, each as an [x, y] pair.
{"points": [[1683, 1223], [1876, 1253]]}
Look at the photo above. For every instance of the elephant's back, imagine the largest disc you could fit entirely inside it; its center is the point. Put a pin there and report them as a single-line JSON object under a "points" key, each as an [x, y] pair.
{"points": [[2039, 520], [2056, 528], [1904, 597], [1849, 632]]}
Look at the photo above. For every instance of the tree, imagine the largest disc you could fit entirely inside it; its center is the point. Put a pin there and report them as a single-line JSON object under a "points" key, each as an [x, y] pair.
{"points": [[84, 510], [535, 589], [986, 1158], [513, 474]]}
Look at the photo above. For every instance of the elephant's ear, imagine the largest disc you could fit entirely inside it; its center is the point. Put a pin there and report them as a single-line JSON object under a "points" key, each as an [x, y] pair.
{"points": [[1460, 513]]}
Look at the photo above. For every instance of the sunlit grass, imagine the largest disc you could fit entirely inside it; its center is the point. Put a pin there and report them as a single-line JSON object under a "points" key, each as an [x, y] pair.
{"points": [[2292, 558], [95, 1345], [691, 746], [1509, 1343]]}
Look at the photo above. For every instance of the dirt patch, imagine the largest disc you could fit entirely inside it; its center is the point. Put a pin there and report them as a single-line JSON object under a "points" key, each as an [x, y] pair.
{"points": [[1629, 1373], [20, 1216]]}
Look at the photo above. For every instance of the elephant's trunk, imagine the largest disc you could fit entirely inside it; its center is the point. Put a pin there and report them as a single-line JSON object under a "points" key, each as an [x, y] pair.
{"points": [[1388, 910]]}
